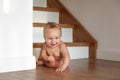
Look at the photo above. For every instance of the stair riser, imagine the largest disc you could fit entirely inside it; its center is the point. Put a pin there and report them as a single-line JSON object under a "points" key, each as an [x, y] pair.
{"points": [[40, 3], [38, 35], [45, 16]]}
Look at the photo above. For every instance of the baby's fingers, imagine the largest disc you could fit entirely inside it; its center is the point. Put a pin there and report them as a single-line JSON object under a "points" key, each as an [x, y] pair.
{"points": [[60, 70]]}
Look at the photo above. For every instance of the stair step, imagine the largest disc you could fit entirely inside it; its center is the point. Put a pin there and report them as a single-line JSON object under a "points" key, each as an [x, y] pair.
{"points": [[62, 25], [46, 9], [39, 45]]}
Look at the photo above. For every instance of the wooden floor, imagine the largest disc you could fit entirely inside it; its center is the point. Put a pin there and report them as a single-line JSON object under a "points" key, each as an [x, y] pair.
{"points": [[81, 69]]}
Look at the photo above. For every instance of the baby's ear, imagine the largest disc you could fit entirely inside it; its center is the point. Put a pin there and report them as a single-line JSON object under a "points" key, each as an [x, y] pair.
{"points": [[60, 35], [44, 36]]}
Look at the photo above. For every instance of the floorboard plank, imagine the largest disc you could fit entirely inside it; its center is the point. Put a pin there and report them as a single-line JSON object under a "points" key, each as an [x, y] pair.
{"points": [[79, 69]]}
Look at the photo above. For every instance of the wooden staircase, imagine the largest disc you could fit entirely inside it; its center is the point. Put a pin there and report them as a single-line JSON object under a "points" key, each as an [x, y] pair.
{"points": [[81, 37]]}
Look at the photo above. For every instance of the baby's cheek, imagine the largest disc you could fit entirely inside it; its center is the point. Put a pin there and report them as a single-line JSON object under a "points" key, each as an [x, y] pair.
{"points": [[58, 41], [48, 41]]}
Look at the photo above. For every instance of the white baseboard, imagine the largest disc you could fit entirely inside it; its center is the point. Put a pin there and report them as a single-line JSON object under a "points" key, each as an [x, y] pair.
{"points": [[113, 55], [8, 64]]}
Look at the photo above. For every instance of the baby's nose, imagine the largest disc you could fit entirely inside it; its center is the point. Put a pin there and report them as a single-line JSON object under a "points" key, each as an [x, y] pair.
{"points": [[53, 41]]}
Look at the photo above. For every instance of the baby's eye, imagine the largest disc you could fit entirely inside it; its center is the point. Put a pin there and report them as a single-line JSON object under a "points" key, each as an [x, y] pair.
{"points": [[57, 38], [50, 38]]}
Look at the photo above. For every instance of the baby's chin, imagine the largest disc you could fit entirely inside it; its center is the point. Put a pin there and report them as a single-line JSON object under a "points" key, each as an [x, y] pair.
{"points": [[53, 46]]}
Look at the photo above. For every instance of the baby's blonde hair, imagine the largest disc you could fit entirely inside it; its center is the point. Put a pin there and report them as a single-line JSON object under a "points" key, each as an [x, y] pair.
{"points": [[52, 25]]}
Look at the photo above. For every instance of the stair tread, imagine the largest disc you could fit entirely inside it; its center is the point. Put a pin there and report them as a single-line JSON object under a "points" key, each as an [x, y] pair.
{"points": [[45, 9], [62, 25], [38, 45]]}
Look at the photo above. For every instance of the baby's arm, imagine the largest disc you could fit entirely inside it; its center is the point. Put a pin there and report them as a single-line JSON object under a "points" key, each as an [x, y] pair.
{"points": [[43, 56], [65, 58]]}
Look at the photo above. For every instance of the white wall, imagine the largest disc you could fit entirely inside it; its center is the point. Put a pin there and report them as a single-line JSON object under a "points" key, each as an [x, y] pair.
{"points": [[16, 36], [102, 19]]}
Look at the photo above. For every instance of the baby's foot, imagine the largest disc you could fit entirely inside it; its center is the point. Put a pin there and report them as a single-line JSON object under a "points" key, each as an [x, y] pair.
{"points": [[39, 63]]}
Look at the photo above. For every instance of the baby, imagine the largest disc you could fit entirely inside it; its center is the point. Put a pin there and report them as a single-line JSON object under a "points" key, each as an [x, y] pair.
{"points": [[54, 52]]}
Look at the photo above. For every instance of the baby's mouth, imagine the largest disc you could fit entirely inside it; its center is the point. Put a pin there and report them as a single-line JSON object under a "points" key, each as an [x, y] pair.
{"points": [[53, 44]]}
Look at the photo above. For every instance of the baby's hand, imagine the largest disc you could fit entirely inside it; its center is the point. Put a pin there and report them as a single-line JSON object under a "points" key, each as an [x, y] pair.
{"points": [[51, 59], [60, 69]]}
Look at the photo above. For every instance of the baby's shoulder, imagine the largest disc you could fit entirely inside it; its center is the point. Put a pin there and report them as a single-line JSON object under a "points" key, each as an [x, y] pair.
{"points": [[62, 45], [44, 45]]}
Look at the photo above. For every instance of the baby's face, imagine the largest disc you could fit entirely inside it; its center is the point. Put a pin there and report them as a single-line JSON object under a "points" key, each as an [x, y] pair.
{"points": [[52, 37]]}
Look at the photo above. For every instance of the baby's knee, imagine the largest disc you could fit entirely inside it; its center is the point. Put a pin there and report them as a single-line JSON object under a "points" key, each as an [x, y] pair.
{"points": [[54, 64]]}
